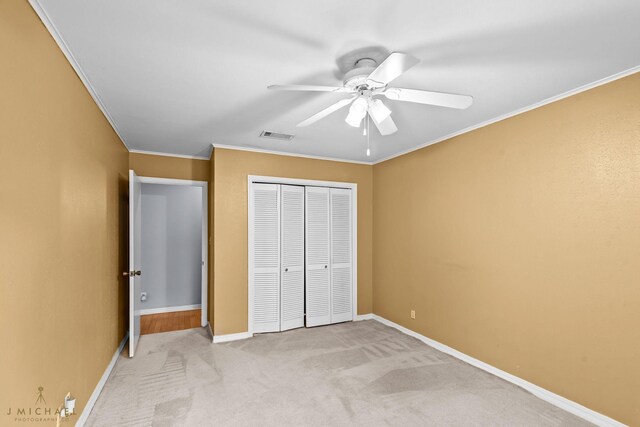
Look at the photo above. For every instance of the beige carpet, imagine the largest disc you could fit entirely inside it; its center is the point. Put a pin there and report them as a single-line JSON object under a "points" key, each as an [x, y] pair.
{"points": [[361, 373]]}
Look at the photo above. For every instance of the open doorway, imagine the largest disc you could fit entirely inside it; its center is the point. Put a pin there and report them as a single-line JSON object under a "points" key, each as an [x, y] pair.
{"points": [[173, 243]]}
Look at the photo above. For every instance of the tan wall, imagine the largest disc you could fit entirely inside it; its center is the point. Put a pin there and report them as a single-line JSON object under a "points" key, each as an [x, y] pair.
{"points": [[519, 244], [180, 168], [63, 195], [170, 167], [231, 168]]}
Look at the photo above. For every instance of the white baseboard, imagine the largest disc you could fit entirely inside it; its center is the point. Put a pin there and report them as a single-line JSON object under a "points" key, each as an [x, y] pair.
{"points": [[169, 309], [546, 395], [244, 335], [103, 380], [217, 339]]}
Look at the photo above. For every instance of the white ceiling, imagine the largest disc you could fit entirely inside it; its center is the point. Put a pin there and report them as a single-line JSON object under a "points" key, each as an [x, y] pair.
{"points": [[176, 76]]}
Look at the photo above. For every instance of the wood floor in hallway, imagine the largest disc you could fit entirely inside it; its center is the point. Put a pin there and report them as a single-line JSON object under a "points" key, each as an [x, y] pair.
{"points": [[167, 322]]}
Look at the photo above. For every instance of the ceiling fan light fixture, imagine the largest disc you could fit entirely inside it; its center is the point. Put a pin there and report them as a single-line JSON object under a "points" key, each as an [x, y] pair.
{"points": [[353, 120], [367, 76], [357, 111], [378, 110]]}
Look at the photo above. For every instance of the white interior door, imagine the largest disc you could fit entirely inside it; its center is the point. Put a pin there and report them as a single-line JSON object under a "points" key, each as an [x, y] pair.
{"points": [[292, 262], [318, 290], [135, 240], [341, 256], [266, 257]]}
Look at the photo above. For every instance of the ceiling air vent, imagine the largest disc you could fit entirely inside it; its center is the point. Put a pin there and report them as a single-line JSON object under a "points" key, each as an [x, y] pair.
{"points": [[276, 135]]}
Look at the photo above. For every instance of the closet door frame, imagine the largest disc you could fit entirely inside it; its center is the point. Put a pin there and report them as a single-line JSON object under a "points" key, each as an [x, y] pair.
{"points": [[251, 179]]}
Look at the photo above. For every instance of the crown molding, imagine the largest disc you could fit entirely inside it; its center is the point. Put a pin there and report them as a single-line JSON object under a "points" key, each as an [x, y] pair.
{"points": [[44, 17], [57, 37], [158, 153], [542, 103], [505, 116], [284, 153]]}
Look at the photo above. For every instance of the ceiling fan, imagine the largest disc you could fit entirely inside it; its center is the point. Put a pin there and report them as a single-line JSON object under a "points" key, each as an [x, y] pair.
{"points": [[368, 80]]}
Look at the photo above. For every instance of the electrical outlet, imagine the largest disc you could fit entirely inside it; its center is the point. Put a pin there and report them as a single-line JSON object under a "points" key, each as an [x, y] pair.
{"points": [[413, 314], [143, 296]]}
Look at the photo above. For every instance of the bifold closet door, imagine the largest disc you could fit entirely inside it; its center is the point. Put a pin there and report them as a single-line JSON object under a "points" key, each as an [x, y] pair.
{"points": [[341, 256], [292, 258], [318, 290], [266, 257]]}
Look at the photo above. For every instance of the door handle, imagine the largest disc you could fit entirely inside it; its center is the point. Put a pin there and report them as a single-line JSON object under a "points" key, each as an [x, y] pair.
{"points": [[132, 273], [325, 266], [286, 269]]}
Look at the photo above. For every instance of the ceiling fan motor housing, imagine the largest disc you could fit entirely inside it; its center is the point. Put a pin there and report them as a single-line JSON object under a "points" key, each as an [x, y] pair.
{"points": [[356, 78]]}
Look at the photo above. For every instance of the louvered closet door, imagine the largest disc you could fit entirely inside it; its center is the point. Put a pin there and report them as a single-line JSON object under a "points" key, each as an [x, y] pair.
{"points": [[266, 257], [341, 256], [292, 262], [318, 293]]}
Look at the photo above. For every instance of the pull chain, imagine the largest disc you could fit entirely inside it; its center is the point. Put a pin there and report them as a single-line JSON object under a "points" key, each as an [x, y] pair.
{"points": [[366, 130]]}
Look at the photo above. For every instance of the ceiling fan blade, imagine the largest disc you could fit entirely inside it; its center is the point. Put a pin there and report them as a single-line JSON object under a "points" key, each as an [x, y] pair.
{"points": [[324, 113], [395, 64], [440, 99], [311, 88], [385, 127]]}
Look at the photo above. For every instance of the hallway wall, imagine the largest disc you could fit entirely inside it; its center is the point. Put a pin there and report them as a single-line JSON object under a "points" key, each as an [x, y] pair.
{"points": [[171, 246]]}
